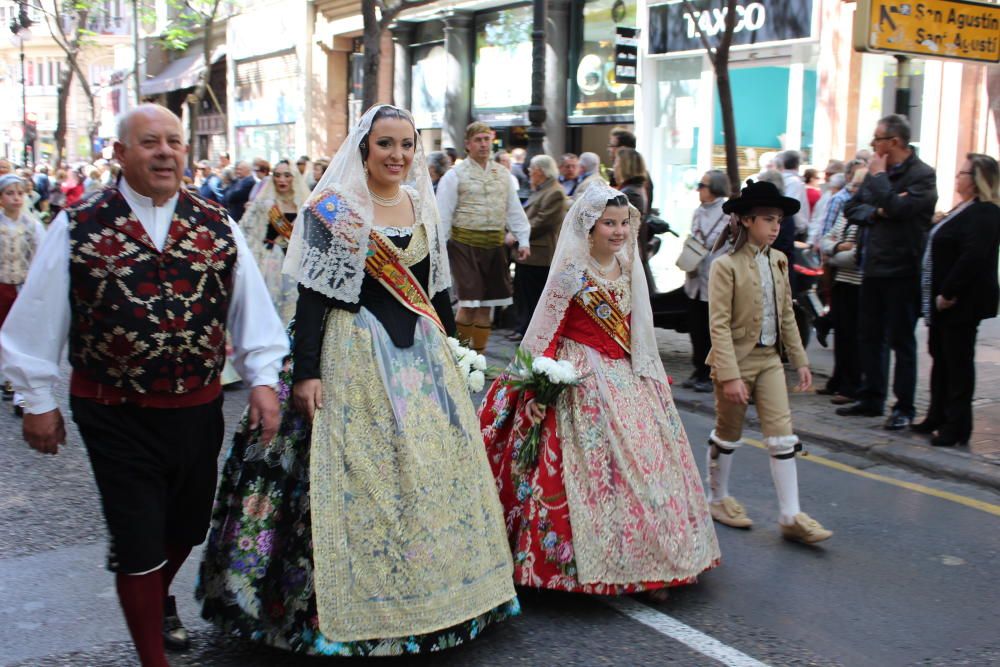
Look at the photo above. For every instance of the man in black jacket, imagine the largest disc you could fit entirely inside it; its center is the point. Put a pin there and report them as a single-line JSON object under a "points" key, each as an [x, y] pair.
{"points": [[237, 195], [893, 207]]}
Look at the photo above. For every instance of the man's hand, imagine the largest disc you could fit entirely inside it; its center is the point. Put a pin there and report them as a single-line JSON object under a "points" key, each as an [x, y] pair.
{"points": [[735, 391], [308, 397], [264, 412], [844, 246], [509, 240], [805, 379], [523, 253], [944, 304], [45, 432], [877, 164]]}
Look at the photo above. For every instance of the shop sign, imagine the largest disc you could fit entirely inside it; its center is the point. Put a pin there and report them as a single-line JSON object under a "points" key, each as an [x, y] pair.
{"points": [[674, 29], [953, 29], [626, 55]]}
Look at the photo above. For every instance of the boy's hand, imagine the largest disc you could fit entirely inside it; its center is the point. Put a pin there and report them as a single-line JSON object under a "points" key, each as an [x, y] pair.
{"points": [[805, 379], [735, 391]]}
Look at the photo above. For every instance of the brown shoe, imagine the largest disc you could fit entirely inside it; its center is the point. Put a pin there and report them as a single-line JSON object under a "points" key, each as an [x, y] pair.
{"points": [[729, 512], [806, 530], [840, 399]]}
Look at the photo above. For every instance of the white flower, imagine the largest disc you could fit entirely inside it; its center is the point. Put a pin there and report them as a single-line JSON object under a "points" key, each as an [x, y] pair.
{"points": [[480, 363], [454, 345], [477, 380], [465, 363], [569, 372]]}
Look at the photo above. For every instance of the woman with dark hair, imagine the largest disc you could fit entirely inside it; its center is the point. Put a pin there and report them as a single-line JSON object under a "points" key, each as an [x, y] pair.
{"points": [[708, 223], [613, 504], [960, 290], [632, 179], [811, 178], [370, 525]]}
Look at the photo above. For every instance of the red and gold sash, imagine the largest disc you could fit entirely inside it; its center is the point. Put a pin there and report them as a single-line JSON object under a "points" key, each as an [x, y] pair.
{"points": [[384, 266], [279, 222], [601, 308]]}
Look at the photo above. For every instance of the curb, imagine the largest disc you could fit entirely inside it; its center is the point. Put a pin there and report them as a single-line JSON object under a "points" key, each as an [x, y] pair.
{"points": [[924, 460]]}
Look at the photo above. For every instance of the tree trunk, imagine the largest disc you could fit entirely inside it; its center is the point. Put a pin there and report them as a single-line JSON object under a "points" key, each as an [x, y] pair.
{"points": [[728, 125], [201, 87], [65, 84], [372, 54]]}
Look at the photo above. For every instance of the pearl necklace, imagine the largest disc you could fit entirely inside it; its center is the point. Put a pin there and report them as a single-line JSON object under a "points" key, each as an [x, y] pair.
{"points": [[601, 269], [387, 202]]}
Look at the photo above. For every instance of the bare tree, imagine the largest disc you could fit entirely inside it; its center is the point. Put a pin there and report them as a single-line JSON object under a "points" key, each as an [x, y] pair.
{"points": [[196, 19], [376, 23], [719, 56]]}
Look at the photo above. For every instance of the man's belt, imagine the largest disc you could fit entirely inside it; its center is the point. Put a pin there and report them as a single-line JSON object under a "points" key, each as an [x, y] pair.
{"points": [[479, 238]]}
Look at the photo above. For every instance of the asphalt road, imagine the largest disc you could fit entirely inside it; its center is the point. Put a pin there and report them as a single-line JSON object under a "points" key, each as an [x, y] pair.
{"points": [[910, 578]]}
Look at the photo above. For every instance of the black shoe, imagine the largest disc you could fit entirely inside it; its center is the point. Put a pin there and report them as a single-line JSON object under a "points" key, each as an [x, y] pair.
{"points": [[859, 409], [945, 440], [691, 381], [822, 326], [926, 427], [18, 411], [175, 635], [897, 421], [826, 391], [8, 392], [703, 386]]}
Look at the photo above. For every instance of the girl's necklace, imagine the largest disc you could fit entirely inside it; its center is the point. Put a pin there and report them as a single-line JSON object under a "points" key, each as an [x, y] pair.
{"points": [[387, 202], [601, 269]]}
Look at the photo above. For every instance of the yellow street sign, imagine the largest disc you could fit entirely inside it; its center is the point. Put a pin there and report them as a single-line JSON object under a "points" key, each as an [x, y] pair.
{"points": [[954, 29]]}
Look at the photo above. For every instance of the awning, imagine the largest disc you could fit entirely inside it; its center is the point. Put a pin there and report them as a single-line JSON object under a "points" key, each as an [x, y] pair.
{"points": [[181, 73]]}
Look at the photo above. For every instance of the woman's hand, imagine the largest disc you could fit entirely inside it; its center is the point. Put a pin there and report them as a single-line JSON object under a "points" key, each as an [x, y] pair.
{"points": [[307, 395], [735, 391], [943, 303], [536, 411]]}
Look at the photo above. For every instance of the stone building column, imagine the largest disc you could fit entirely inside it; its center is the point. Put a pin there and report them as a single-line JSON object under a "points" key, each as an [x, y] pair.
{"points": [[556, 76], [402, 36], [458, 41]]}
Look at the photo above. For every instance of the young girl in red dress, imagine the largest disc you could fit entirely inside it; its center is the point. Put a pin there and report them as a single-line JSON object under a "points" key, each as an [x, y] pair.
{"points": [[614, 504]]}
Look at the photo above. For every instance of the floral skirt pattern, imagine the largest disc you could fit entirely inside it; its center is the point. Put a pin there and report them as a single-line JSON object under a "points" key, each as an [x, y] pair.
{"points": [[257, 577], [615, 504]]}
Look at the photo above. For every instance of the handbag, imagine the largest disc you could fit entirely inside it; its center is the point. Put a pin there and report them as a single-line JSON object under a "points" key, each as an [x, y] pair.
{"points": [[693, 250]]}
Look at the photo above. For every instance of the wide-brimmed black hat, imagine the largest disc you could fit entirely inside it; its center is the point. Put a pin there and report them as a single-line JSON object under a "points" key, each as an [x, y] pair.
{"points": [[761, 193]]}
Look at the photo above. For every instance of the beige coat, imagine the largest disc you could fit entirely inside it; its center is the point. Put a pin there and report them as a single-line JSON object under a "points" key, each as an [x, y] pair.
{"points": [[546, 209], [736, 311]]}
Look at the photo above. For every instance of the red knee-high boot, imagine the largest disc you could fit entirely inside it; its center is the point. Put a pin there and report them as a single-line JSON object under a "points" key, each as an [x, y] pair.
{"points": [[141, 597]]}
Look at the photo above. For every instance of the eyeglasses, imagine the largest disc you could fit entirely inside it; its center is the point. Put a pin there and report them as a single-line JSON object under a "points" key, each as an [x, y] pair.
{"points": [[885, 138], [701, 185]]}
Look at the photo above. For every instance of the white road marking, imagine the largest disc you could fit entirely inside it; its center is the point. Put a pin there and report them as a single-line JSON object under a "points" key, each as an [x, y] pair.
{"points": [[685, 634]]}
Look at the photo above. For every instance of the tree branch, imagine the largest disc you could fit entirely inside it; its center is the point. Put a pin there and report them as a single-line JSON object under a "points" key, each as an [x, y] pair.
{"points": [[727, 34], [704, 39]]}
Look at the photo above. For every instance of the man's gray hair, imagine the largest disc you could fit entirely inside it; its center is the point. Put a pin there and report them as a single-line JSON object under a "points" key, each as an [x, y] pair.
{"points": [[718, 183], [789, 160], [546, 165], [440, 161], [589, 162], [837, 181], [896, 125], [774, 177], [566, 156], [125, 119]]}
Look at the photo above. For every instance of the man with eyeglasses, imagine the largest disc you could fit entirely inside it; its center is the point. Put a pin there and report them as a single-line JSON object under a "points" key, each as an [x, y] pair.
{"points": [[893, 208]]}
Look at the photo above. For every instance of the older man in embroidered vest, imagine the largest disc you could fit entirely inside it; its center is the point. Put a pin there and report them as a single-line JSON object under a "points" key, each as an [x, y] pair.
{"points": [[478, 203], [144, 280]]}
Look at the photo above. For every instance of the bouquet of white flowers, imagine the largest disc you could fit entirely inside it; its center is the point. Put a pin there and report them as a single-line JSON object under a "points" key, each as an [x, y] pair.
{"points": [[547, 378], [471, 363]]}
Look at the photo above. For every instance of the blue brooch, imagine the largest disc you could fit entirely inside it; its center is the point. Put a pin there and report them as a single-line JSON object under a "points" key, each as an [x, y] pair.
{"points": [[603, 311]]}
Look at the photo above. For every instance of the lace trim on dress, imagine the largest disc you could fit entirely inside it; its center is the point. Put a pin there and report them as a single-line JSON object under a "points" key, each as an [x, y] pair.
{"points": [[394, 232]]}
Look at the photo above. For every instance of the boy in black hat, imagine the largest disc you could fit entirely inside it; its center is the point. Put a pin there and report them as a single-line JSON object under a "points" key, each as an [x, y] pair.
{"points": [[752, 326]]}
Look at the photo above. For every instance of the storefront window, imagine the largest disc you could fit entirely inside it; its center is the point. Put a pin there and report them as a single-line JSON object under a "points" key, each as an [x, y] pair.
{"points": [[271, 142], [267, 91], [594, 93], [502, 87], [428, 87]]}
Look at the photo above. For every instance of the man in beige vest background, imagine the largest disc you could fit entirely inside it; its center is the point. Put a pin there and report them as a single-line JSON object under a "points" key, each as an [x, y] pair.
{"points": [[478, 203]]}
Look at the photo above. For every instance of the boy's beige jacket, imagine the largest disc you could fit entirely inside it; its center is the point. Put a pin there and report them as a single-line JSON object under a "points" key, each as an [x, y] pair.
{"points": [[736, 311]]}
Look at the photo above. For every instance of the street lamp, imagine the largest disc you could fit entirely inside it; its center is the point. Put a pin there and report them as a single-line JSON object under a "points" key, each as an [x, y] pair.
{"points": [[20, 33], [536, 112]]}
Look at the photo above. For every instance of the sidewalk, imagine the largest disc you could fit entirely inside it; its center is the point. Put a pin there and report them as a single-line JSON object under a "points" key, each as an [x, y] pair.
{"points": [[816, 421]]}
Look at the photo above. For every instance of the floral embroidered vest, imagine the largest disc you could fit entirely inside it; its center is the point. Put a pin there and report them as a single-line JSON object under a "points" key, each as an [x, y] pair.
{"points": [[17, 247], [482, 196], [145, 321]]}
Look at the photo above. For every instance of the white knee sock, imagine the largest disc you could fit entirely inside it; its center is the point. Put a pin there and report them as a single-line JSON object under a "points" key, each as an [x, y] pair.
{"points": [[718, 475], [786, 484]]}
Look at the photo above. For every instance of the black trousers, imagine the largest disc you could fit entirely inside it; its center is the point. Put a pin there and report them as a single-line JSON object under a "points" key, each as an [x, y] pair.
{"points": [[844, 303], [156, 470], [888, 316], [701, 339], [529, 283], [953, 378]]}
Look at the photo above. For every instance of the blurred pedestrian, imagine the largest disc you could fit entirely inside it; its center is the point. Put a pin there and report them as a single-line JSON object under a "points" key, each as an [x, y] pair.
{"points": [[502, 157], [590, 173], [478, 203], [631, 176], [840, 248], [518, 156], [210, 185], [833, 168], [894, 205], [152, 434], [618, 137], [6, 167], [92, 182], [261, 174], [569, 172], [237, 194], [438, 165], [546, 209], [795, 187], [959, 291], [318, 169], [72, 187], [707, 224], [43, 186], [813, 193]]}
